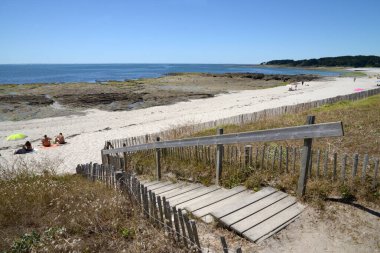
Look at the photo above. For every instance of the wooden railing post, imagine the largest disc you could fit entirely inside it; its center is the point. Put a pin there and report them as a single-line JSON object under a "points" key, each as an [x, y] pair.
{"points": [[158, 161], [305, 161], [248, 155], [219, 159]]}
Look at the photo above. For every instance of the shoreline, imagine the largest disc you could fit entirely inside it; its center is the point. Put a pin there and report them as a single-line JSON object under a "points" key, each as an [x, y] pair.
{"points": [[86, 134], [30, 101]]}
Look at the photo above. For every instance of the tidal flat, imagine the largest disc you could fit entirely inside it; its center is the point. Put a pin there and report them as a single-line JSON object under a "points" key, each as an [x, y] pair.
{"points": [[32, 101]]}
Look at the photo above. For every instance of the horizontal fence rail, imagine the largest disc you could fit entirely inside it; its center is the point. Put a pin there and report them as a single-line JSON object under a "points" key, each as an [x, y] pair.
{"points": [[334, 129]]}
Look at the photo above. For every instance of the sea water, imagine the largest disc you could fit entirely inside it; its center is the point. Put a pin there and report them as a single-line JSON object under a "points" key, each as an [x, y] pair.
{"points": [[64, 73]]}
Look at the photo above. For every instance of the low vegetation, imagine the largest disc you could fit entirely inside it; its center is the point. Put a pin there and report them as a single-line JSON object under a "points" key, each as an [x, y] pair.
{"points": [[341, 61], [41, 211]]}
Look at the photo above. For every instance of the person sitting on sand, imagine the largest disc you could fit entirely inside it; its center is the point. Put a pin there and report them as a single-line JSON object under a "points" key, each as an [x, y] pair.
{"points": [[60, 139], [46, 141], [27, 148]]}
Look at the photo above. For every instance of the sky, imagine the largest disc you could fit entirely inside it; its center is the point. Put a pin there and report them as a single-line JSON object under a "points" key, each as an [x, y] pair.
{"points": [[185, 31]]}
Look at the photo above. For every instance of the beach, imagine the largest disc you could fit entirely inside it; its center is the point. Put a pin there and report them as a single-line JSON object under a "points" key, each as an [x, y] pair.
{"points": [[87, 132]]}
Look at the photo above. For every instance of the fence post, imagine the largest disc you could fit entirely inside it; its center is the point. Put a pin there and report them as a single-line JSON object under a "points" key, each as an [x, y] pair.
{"points": [[248, 155], [158, 161], [306, 151], [224, 244], [355, 165], [219, 159], [365, 163], [93, 171]]}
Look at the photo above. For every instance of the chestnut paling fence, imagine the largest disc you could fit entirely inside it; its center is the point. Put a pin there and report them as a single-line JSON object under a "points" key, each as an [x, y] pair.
{"points": [[176, 224], [237, 120], [330, 164]]}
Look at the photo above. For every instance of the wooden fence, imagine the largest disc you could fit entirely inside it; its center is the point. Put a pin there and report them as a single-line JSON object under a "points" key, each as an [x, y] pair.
{"points": [[324, 163], [237, 120], [175, 222], [306, 132]]}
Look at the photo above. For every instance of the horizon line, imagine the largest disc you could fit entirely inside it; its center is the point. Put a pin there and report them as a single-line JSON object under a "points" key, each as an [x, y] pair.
{"points": [[129, 63]]}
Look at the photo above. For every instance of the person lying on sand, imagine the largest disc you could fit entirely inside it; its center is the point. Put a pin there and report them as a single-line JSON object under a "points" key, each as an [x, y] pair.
{"points": [[27, 148], [46, 141], [60, 139]]}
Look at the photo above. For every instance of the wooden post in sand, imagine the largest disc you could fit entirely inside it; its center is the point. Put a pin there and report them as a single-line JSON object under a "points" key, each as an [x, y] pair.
{"points": [[219, 158], [158, 161], [305, 161]]}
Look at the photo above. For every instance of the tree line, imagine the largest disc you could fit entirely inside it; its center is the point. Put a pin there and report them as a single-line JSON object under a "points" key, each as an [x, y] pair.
{"points": [[340, 61]]}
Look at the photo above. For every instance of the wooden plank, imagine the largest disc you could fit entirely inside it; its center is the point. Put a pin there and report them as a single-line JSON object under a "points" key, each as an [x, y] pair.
{"points": [[333, 129], [192, 195], [157, 186], [247, 211], [257, 218], [204, 213], [200, 199], [270, 225], [211, 198], [233, 207], [149, 183], [181, 190], [168, 188]]}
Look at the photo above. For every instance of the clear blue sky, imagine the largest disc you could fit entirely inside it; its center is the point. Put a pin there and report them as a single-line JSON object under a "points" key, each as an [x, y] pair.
{"points": [[185, 31]]}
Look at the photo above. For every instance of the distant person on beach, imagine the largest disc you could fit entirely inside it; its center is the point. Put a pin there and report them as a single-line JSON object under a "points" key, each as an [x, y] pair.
{"points": [[108, 145], [354, 79], [27, 148], [302, 82], [46, 141], [60, 139]]}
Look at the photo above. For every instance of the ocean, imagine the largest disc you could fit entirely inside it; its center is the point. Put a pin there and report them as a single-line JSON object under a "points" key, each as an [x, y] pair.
{"points": [[64, 73]]}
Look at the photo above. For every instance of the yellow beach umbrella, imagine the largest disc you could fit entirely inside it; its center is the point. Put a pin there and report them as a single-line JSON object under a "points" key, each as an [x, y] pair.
{"points": [[14, 137]]}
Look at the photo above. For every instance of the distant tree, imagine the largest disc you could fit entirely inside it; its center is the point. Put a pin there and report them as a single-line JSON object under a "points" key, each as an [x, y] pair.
{"points": [[341, 61]]}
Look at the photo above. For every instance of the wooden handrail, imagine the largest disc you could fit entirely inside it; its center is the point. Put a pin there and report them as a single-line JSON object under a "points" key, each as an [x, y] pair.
{"points": [[331, 129]]}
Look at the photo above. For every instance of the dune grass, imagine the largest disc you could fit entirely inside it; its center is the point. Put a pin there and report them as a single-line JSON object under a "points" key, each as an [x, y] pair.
{"points": [[46, 212]]}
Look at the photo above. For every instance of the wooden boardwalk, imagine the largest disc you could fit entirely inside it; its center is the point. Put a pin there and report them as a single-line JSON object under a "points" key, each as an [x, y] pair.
{"points": [[254, 215]]}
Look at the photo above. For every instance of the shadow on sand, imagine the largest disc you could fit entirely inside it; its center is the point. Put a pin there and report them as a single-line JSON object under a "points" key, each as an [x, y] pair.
{"points": [[351, 203]]}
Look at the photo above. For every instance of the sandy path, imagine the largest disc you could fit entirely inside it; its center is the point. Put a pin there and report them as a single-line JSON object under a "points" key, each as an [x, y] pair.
{"points": [[89, 138]]}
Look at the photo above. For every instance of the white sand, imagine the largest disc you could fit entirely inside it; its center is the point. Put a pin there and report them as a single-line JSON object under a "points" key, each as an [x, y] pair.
{"points": [[86, 146]]}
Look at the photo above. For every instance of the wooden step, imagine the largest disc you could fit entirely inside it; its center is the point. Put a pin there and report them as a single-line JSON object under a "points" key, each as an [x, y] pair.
{"points": [[260, 216], [273, 224]]}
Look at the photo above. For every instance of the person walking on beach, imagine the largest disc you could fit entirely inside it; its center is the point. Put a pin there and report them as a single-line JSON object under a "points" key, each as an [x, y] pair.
{"points": [[46, 141]]}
